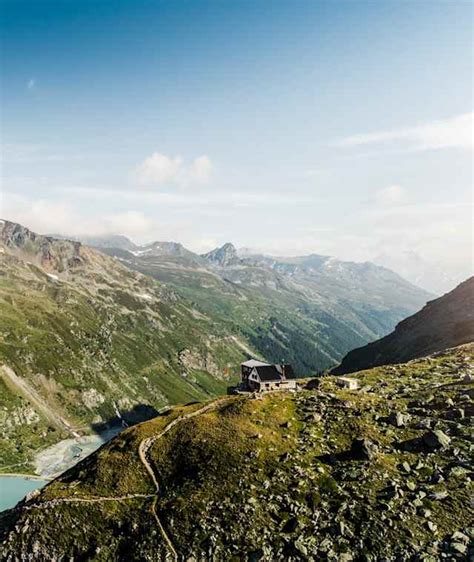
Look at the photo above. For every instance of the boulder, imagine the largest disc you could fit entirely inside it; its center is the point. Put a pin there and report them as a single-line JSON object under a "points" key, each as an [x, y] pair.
{"points": [[440, 495], [424, 424], [363, 449], [459, 547], [291, 525], [436, 439], [397, 419], [30, 496], [406, 466]]}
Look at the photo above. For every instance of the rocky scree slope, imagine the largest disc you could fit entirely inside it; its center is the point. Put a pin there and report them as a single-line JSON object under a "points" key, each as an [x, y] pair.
{"points": [[307, 311], [84, 340], [442, 323], [384, 472]]}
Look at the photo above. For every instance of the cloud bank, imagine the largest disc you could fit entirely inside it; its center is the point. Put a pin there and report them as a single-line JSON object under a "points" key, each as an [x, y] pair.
{"points": [[456, 132]]}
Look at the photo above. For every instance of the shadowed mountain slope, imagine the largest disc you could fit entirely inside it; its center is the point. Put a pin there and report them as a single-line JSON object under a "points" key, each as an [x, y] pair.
{"points": [[442, 323]]}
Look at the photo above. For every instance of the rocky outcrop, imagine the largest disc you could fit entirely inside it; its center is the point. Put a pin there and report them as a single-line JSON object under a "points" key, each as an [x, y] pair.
{"points": [[198, 360], [49, 253]]}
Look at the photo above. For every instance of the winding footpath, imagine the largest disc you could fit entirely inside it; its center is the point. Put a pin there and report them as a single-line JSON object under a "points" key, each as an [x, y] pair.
{"points": [[143, 449], [91, 499], [145, 446]]}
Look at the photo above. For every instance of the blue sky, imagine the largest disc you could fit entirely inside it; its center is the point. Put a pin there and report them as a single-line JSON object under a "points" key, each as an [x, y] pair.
{"points": [[334, 127]]}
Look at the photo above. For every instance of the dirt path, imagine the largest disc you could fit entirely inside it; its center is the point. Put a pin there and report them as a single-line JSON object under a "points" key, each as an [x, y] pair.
{"points": [[143, 449], [91, 499], [145, 446]]}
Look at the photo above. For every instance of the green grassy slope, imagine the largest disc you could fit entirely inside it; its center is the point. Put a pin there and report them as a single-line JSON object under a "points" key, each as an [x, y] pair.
{"points": [[279, 478], [82, 337]]}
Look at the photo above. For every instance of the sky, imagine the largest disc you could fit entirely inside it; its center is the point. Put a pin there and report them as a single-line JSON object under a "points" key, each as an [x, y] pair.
{"points": [[288, 127]]}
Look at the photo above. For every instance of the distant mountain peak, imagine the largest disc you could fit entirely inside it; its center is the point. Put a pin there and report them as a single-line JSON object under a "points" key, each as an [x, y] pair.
{"points": [[223, 256], [109, 241], [50, 253], [162, 248]]}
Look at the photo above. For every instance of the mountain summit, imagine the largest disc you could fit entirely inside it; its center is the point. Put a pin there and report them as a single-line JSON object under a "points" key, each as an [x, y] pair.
{"points": [[224, 256]]}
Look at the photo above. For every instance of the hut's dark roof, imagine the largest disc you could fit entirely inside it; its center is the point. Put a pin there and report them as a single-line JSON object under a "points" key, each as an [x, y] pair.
{"points": [[268, 373]]}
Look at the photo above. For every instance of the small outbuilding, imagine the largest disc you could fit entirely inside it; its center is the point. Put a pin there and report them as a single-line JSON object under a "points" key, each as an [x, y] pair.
{"points": [[260, 377], [346, 382]]}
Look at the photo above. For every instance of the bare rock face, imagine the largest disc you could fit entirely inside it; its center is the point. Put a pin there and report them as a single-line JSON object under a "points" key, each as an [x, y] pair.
{"points": [[194, 360], [23, 415], [92, 398], [49, 253]]}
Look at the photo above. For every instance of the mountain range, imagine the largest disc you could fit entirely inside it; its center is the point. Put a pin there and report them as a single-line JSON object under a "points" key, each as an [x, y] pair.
{"points": [[90, 338], [85, 341], [307, 311], [382, 471]]}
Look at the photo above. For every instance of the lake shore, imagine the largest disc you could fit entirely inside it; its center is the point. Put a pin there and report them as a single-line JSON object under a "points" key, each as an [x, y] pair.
{"points": [[25, 476], [49, 464]]}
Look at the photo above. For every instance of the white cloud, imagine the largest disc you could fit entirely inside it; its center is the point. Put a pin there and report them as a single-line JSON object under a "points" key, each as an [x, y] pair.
{"points": [[201, 169], [159, 169], [61, 217], [130, 223], [31, 83], [455, 132], [391, 195]]}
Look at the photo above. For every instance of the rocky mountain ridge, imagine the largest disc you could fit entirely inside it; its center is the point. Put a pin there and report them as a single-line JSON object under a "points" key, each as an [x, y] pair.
{"points": [[223, 256]]}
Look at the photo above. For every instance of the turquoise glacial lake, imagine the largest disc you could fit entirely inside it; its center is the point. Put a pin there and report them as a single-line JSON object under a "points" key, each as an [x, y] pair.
{"points": [[15, 488]]}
